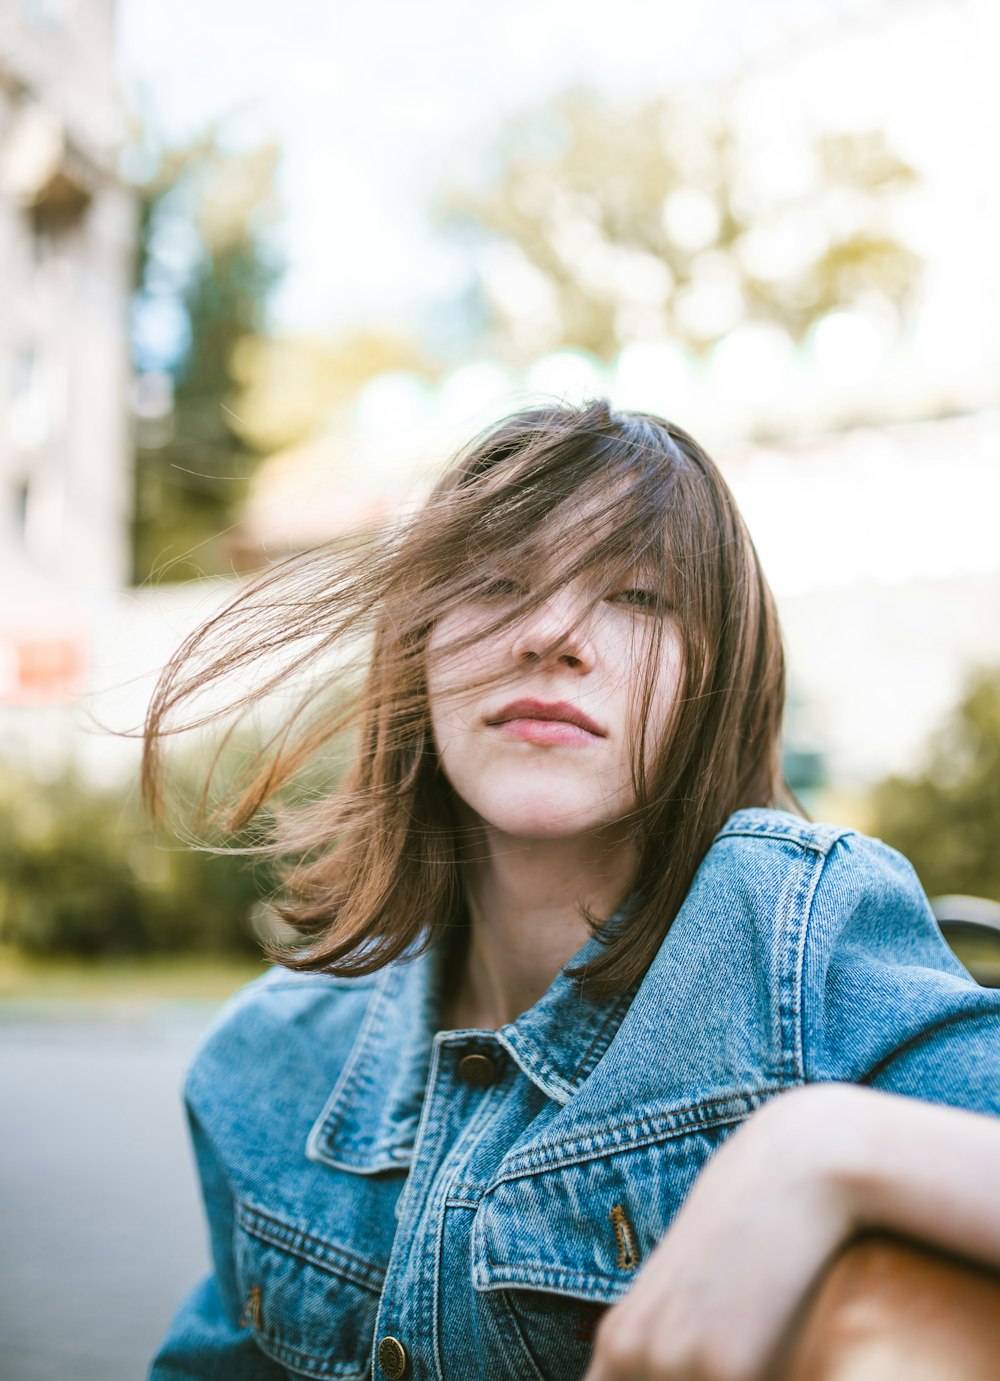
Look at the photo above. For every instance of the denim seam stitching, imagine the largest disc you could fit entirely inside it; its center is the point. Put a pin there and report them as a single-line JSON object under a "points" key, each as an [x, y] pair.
{"points": [[320, 1367], [604, 1036], [821, 845], [427, 1129], [524, 1053], [473, 1190], [430, 1131], [490, 1106], [334, 1260], [539, 1274], [679, 1123], [332, 1115], [791, 1008]]}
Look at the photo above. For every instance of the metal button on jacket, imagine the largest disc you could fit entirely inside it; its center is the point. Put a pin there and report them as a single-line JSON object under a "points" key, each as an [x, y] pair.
{"points": [[477, 1070], [392, 1358]]}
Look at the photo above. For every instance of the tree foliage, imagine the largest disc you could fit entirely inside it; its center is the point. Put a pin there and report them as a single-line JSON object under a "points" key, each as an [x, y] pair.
{"points": [[83, 873], [946, 818], [294, 387], [598, 223], [204, 274]]}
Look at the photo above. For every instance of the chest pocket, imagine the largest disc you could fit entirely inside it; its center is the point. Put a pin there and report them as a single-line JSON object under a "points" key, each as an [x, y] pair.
{"points": [[552, 1249], [311, 1305]]}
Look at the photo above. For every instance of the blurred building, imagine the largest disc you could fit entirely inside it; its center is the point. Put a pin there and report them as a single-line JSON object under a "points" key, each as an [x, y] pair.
{"points": [[67, 238]]}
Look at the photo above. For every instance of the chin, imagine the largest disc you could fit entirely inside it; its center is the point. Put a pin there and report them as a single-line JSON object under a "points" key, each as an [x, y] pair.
{"points": [[541, 820], [538, 829]]}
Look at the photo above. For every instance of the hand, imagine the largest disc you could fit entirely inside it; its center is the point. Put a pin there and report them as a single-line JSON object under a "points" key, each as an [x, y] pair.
{"points": [[715, 1298]]}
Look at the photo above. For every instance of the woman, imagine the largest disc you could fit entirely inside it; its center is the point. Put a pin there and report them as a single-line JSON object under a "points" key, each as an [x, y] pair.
{"points": [[567, 1077]]}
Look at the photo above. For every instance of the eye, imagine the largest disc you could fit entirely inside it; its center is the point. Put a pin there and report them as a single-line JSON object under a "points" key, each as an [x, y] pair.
{"points": [[503, 587], [644, 599]]}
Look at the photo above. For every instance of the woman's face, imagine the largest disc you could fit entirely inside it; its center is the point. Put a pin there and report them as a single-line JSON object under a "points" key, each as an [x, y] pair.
{"points": [[519, 769]]}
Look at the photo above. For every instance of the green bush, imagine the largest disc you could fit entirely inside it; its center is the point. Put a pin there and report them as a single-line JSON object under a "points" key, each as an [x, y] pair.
{"points": [[946, 818], [82, 872]]}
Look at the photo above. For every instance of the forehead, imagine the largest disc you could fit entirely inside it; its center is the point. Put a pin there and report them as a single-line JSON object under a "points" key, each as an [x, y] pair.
{"points": [[608, 524]]}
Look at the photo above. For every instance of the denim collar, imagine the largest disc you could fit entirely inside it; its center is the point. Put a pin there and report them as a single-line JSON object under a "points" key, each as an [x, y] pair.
{"points": [[716, 1019], [559, 1041], [369, 1123]]}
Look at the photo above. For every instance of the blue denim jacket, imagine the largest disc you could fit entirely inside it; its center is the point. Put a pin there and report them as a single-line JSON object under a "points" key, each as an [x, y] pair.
{"points": [[380, 1204]]}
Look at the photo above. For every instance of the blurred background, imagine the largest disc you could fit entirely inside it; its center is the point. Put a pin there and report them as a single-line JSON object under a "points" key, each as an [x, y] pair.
{"points": [[262, 271]]}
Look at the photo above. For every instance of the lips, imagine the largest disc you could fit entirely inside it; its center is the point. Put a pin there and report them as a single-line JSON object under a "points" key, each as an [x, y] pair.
{"points": [[547, 710]]}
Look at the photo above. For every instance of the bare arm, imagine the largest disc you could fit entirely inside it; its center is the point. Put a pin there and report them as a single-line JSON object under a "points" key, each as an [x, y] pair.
{"points": [[927, 1171]]}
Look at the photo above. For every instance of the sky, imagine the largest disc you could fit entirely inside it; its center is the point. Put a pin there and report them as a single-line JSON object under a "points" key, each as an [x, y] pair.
{"points": [[374, 102]]}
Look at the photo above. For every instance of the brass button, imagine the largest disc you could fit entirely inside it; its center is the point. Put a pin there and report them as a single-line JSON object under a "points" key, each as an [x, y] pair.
{"points": [[392, 1358], [477, 1070]]}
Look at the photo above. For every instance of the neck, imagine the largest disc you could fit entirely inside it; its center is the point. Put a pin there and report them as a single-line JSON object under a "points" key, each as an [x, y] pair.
{"points": [[524, 898]]}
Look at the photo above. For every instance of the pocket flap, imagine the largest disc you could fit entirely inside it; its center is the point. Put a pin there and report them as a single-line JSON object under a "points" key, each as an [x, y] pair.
{"points": [[584, 1228]]}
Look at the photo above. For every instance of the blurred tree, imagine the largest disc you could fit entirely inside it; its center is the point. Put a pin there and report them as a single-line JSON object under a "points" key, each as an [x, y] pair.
{"points": [[205, 270], [946, 819], [82, 873], [596, 224], [291, 385]]}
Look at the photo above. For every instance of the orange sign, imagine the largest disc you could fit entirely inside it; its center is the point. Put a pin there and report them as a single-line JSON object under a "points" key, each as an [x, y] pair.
{"points": [[41, 668]]}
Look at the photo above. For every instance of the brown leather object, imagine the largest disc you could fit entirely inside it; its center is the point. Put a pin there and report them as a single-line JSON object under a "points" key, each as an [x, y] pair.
{"points": [[890, 1310]]}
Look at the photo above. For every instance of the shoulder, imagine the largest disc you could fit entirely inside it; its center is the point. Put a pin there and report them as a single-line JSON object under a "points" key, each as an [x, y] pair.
{"points": [[862, 970], [814, 869], [286, 994], [779, 832], [828, 895], [835, 857], [283, 1035], [760, 826]]}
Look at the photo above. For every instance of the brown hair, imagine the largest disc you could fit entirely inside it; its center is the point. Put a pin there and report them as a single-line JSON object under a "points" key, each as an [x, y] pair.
{"points": [[370, 870]]}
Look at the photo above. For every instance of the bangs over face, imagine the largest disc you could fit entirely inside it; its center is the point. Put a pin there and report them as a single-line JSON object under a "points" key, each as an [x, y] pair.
{"points": [[589, 510], [547, 497]]}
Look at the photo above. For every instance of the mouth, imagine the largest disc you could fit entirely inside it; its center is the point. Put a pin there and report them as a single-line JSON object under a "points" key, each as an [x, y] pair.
{"points": [[546, 718]]}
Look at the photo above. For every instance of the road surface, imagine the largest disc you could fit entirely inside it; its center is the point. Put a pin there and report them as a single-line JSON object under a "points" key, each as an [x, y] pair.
{"points": [[100, 1220]]}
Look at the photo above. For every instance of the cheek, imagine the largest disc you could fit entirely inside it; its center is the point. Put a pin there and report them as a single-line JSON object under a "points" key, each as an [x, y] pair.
{"points": [[663, 702], [450, 676]]}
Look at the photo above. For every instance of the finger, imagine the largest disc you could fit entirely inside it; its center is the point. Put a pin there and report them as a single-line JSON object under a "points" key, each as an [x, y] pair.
{"points": [[621, 1349]]}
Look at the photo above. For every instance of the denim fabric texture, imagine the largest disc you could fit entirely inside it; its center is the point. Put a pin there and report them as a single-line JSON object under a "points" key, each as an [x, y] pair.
{"points": [[360, 1184]]}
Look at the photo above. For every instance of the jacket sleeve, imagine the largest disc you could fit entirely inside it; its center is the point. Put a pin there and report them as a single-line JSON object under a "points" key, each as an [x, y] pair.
{"points": [[205, 1341], [885, 1001]]}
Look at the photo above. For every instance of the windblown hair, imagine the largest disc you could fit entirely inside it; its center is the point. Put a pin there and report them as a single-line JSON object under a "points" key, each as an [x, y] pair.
{"points": [[372, 870]]}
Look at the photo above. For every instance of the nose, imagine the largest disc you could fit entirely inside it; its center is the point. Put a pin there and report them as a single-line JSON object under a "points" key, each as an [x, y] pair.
{"points": [[555, 633]]}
